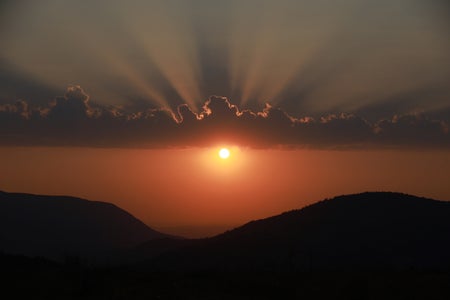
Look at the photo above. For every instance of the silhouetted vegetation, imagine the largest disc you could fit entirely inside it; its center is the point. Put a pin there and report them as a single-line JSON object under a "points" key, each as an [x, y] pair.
{"points": [[40, 278]]}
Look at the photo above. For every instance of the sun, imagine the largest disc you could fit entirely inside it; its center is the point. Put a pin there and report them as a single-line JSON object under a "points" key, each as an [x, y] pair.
{"points": [[224, 153]]}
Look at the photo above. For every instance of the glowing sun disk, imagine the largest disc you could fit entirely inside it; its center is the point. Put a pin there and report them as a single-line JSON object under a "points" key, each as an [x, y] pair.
{"points": [[224, 153]]}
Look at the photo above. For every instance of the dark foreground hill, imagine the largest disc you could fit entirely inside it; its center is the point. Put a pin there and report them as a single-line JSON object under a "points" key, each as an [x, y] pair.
{"points": [[364, 246], [362, 231], [58, 226]]}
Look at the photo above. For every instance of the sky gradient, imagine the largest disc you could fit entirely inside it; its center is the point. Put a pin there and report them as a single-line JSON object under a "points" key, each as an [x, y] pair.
{"points": [[373, 58], [192, 192], [129, 101]]}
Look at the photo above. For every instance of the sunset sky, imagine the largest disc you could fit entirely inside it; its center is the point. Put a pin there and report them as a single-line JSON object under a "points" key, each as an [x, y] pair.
{"points": [[129, 102]]}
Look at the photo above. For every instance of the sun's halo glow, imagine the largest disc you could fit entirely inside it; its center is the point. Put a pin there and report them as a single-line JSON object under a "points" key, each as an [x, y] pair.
{"points": [[224, 153]]}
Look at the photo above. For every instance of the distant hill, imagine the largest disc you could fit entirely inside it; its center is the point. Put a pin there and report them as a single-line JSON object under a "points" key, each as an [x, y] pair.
{"points": [[370, 245], [362, 231], [369, 230], [59, 226]]}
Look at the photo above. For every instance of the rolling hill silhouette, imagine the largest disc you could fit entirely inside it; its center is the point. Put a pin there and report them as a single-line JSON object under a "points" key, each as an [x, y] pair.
{"points": [[370, 230], [58, 226], [376, 230]]}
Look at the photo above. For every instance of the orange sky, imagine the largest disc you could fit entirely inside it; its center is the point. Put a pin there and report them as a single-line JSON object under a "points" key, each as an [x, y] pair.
{"points": [[192, 192]]}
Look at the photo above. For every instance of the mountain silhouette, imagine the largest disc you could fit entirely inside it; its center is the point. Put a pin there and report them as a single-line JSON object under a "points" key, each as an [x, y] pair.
{"points": [[370, 230], [362, 246], [378, 230], [59, 226]]}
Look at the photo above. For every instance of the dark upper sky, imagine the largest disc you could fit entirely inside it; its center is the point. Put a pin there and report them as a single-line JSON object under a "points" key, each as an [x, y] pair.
{"points": [[341, 73]]}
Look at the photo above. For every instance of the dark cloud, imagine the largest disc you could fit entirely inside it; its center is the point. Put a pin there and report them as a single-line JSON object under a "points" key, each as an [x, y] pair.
{"points": [[73, 120], [414, 131]]}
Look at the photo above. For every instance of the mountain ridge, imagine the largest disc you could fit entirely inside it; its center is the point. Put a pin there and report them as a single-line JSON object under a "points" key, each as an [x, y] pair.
{"points": [[56, 226], [366, 230]]}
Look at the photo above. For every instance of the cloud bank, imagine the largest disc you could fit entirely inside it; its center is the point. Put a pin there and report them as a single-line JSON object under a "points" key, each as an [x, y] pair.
{"points": [[74, 120]]}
